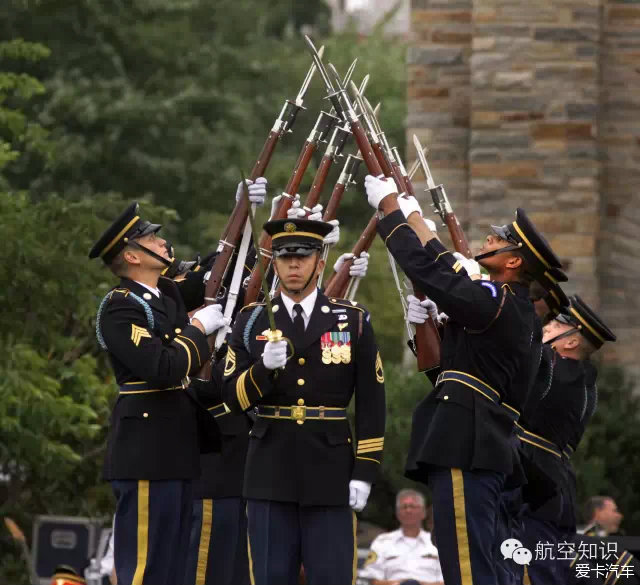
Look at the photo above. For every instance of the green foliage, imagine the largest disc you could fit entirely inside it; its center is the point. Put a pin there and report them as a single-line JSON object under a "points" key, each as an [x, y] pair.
{"points": [[607, 461]]}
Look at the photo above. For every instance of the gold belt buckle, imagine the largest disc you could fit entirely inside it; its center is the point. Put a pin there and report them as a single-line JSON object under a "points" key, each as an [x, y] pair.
{"points": [[298, 412]]}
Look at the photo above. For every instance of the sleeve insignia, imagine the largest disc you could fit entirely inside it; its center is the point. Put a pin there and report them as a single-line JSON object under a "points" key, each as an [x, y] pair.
{"points": [[137, 333], [371, 558], [379, 370], [230, 363]]}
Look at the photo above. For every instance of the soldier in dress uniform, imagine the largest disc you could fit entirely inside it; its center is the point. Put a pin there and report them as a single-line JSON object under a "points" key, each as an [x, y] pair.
{"points": [[301, 476], [461, 440], [157, 429], [559, 404]]}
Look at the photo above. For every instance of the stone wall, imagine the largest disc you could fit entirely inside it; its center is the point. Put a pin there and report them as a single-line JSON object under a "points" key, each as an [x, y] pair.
{"points": [[535, 104]]}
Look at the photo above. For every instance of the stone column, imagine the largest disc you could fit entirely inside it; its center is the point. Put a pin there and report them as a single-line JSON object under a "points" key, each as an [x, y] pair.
{"points": [[535, 94]]}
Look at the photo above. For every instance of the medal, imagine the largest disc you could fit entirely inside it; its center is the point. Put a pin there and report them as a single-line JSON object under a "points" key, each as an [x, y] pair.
{"points": [[345, 354], [336, 354]]}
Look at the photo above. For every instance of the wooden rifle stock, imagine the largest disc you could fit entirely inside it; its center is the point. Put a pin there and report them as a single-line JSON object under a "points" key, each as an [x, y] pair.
{"points": [[334, 202], [460, 243], [427, 338], [318, 181], [339, 281], [235, 226], [263, 255]]}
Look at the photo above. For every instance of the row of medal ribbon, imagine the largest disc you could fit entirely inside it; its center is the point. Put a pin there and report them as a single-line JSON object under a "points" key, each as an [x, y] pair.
{"points": [[336, 347]]}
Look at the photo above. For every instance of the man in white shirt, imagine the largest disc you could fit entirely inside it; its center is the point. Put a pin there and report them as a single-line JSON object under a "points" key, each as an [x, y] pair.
{"points": [[406, 556]]}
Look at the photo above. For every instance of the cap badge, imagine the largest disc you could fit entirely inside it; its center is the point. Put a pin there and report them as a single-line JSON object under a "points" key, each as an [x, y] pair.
{"points": [[290, 227]]}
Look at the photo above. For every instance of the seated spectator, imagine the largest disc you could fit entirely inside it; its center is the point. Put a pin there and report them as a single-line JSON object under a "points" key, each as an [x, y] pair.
{"points": [[602, 516], [406, 556]]}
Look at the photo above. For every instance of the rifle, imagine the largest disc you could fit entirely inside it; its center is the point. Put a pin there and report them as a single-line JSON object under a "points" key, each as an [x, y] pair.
{"points": [[427, 339], [235, 225], [324, 124], [442, 206]]}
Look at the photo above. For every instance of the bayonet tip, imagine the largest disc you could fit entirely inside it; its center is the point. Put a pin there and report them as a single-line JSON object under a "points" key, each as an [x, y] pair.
{"points": [[321, 52]]}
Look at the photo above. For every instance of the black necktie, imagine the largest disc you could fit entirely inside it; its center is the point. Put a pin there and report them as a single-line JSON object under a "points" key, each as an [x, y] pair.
{"points": [[298, 321]]}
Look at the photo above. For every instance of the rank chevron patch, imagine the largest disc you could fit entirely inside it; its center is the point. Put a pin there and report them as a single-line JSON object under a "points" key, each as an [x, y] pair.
{"points": [[137, 333]]}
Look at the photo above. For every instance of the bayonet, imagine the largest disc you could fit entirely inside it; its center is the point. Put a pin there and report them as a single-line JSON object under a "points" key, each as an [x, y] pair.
{"points": [[422, 159], [317, 59], [307, 80]]}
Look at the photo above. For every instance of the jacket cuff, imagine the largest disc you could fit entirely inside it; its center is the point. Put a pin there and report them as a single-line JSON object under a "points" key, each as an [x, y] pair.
{"points": [[390, 223], [366, 469]]}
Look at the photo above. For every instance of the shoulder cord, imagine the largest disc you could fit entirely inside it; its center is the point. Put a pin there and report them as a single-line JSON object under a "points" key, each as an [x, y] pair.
{"points": [[142, 302], [478, 331], [247, 329]]}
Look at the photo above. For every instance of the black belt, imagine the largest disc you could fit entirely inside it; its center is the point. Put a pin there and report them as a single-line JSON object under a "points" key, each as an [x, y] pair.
{"points": [[219, 410], [301, 413], [479, 386], [538, 441]]}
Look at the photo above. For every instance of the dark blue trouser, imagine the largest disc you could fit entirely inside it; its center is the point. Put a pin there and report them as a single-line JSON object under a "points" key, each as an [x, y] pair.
{"points": [[218, 544], [152, 525], [283, 535], [544, 571], [466, 506], [510, 526]]}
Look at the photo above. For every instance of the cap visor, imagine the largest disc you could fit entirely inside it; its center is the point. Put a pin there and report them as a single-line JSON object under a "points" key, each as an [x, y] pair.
{"points": [[294, 251], [152, 228], [501, 231]]}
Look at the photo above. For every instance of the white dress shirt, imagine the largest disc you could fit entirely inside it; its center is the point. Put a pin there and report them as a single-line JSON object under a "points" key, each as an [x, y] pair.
{"points": [[307, 305], [155, 291], [396, 556]]}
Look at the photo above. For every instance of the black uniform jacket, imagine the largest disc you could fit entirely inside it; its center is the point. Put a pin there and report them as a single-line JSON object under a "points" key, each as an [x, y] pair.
{"points": [[553, 413], [489, 337], [309, 463], [159, 434], [222, 472]]}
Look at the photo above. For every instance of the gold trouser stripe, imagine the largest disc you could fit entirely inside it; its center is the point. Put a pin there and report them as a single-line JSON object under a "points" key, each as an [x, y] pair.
{"points": [[251, 577], [355, 548], [393, 230], [143, 531], [459, 506], [254, 382], [195, 346], [526, 579], [205, 538], [186, 348]]}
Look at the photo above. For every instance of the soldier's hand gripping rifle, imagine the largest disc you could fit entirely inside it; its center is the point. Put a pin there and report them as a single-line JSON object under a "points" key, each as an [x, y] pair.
{"points": [[235, 226], [442, 206], [427, 340]]}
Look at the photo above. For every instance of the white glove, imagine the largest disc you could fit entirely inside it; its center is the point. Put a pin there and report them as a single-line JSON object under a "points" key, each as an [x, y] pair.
{"points": [[334, 235], [418, 311], [378, 188], [358, 268], [296, 211], [257, 190], [469, 264], [359, 494], [430, 224], [274, 355], [275, 202], [315, 213], [212, 318], [409, 205]]}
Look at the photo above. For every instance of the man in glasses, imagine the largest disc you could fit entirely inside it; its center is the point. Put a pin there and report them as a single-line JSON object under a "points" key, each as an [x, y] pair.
{"points": [[406, 556], [462, 432]]}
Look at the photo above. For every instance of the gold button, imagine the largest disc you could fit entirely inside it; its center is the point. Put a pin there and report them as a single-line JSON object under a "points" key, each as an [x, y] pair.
{"points": [[145, 414], [445, 397], [300, 422], [302, 361], [178, 330], [300, 402], [349, 440], [300, 382]]}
